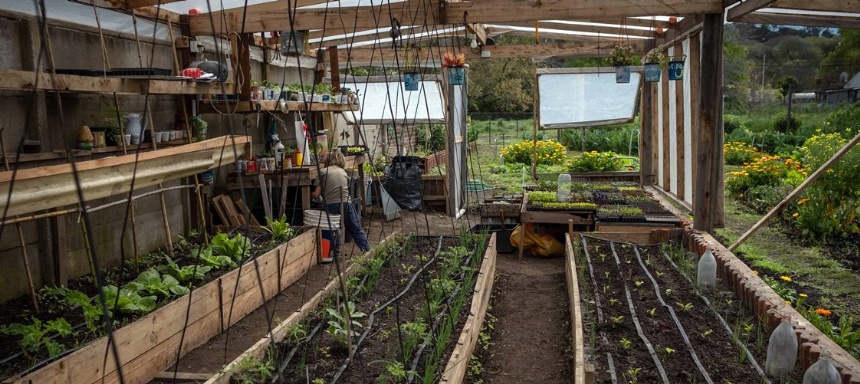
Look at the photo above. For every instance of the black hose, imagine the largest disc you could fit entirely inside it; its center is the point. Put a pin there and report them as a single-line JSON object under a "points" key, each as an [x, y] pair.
{"points": [[674, 318]]}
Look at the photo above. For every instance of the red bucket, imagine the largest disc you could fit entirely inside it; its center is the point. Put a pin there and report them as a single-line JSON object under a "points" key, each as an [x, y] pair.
{"points": [[326, 256]]}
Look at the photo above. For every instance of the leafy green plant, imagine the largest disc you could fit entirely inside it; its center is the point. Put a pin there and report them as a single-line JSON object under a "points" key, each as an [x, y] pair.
{"points": [[597, 162], [620, 56], [394, 373], [625, 343], [686, 307], [632, 374], [295, 332], [128, 300], [153, 283], [186, 273], [253, 370], [413, 334], [215, 261], [36, 334], [541, 196], [279, 229], [92, 312], [342, 326], [237, 248]]}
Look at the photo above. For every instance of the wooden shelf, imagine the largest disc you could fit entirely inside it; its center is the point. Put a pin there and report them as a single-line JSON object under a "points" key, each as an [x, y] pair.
{"points": [[271, 105], [27, 81]]}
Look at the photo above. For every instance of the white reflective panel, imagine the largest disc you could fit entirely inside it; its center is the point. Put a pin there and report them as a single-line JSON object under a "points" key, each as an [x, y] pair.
{"points": [[378, 101], [586, 99]]}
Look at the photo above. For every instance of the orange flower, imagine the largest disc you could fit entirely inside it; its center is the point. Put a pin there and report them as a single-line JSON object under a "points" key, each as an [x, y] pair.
{"points": [[823, 312]]}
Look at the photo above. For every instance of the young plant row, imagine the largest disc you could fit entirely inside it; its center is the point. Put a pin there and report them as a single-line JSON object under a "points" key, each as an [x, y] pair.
{"points": [[402, 308], [45, 336]]}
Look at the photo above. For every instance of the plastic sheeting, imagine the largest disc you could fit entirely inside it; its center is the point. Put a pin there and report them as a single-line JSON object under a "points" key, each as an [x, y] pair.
{"points": [[586, 99], [379, 100]]}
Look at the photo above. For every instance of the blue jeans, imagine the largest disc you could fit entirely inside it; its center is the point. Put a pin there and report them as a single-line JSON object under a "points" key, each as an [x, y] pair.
{"points": [[352, 222]]}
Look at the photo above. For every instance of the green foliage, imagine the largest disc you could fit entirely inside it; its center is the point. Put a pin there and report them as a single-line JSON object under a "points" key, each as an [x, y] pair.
{"points": [[253, 370], [279, 229], [342, 327], [548, 152], [793, 124], [128, 300], [568, 206], [153, 283], [831, 205], [845, 120], [431, 139], [596, 162], [621, 55], [214, 261], [764, 171], [237, 248], [731, 123], [739, 153], [92, 311], [621, 138], [501, 85], [844, 58], [36, 334], [413, 334], [186, 273], [395, 373], [762, 198], [542, 196]]}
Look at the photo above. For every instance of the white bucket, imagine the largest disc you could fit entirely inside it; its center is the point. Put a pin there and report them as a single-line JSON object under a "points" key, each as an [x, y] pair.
{"points": [[316, 218]]}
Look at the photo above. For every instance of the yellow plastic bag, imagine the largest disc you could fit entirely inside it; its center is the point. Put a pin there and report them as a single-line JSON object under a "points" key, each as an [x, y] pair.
{"points": [[544, 245]]}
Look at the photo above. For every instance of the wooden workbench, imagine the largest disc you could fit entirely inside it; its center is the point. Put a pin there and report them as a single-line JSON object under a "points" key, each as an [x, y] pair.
{"points": [[578, 217]]}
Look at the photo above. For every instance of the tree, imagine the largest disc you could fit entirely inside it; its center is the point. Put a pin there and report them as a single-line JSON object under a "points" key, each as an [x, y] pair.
{"points": [[844, 58], [787, 84]]}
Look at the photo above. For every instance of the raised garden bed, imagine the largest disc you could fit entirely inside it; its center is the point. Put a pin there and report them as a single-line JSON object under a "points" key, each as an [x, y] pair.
{"points": [[408, 302], [150, 344], [644, 323]]}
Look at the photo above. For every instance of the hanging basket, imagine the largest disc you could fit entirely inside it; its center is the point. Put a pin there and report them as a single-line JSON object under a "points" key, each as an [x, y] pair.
{"points": [[456, 75], [622, 74], [292, 43], [411, 80], [676, 70], [652, 72]]}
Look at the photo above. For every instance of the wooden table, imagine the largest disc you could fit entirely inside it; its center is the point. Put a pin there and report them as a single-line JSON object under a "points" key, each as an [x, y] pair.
{"points": [[578, 217]]}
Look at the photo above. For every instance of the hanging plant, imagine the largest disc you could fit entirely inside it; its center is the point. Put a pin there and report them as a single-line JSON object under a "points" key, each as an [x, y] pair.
{"points": [[656, 56], [620, 56]]}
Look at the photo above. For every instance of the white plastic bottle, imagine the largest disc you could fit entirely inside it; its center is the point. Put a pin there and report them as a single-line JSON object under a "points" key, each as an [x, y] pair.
{"points": [[563, 192], [706, 276], [781, 350], [279, 152], [822, 372]]}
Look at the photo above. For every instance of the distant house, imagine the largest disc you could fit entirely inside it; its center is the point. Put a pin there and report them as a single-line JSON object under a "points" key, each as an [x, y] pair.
{"points": [[849, 93]]}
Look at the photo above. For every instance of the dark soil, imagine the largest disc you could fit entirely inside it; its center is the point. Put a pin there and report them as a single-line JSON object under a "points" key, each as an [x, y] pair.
{"points": [[323, 356], [714, 348], [530, 339]]}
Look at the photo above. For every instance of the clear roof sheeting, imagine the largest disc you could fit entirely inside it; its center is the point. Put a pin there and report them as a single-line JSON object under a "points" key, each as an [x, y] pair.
{"points": [[379, 100], [585, 99], [82, 15]]}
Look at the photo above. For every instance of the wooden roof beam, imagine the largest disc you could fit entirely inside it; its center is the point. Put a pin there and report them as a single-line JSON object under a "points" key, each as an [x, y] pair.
{"points": [[428, 55], [475, 11], [556, 24], [850, 6], [808, 20], [746, 7]]}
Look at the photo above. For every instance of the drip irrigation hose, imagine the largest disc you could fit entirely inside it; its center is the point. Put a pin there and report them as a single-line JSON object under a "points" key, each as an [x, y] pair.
{"points": [[674, 318], [635, 319], [725, 325], [372, 316], [611, 365]]}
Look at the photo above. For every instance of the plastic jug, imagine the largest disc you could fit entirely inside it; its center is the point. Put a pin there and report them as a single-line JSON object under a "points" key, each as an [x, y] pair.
{"points": [[278, 149], [781, 351], [563, 192], [822, 372], [132, 124], [706, 275]]}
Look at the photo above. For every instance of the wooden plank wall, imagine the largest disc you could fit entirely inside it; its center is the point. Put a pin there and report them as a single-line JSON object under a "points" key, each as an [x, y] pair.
{"points": [[151, 344], [675, 109]]}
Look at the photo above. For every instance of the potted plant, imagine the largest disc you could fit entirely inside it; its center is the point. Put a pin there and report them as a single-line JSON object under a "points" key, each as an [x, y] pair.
{"points": [[654, 62], [455, 64], [621, 58], [676, 67]]}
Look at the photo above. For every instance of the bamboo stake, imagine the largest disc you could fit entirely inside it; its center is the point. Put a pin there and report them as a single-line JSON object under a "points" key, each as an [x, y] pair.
{"points": [[21, 236], [823, 168], [89, 251], [166, 222], [134, 240], [24, 219]]}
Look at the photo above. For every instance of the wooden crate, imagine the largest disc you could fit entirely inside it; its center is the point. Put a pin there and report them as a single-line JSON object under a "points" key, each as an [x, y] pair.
{"points": [[435, 192]]}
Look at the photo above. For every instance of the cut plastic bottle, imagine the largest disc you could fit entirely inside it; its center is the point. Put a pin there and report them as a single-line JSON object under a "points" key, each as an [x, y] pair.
{"points": [[781, 350], [563, 192], [822, 372], [706, 276]]}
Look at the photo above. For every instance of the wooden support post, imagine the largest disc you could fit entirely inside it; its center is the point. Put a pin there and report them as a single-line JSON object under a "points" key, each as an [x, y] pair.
{"points": [[711, 98], [646, 135], [664, 130], [57, 227], [21, 235], [695, 59], [679, 131], [335, 69], [823, 168]]}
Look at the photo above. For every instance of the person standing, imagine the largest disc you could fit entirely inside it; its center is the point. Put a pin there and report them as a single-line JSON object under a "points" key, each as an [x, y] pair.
{"points": [[334, 188]]}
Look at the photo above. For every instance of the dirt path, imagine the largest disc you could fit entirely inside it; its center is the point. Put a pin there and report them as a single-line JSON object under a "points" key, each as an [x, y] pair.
{"points": [[531, 339]]}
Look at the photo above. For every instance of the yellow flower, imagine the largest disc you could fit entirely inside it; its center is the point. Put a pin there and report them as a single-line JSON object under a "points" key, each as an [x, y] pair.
{"points": [[785, 279], [803, 295], [788, 303], [794, 214]]}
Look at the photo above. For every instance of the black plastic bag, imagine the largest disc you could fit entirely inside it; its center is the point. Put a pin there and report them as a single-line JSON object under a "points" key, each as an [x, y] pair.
{"points": [[403, 182]]}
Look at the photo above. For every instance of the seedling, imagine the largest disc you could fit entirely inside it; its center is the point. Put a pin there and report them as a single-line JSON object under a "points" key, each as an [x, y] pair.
{"points": [[612, 301], [669, 351], [652, 311], [638, 283], [658, 273], [668, 291], [633, 372], [625, 343], [341, 327], [617, 319], [686, 307], [606, 274], [707, 333], [748, 327]]}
